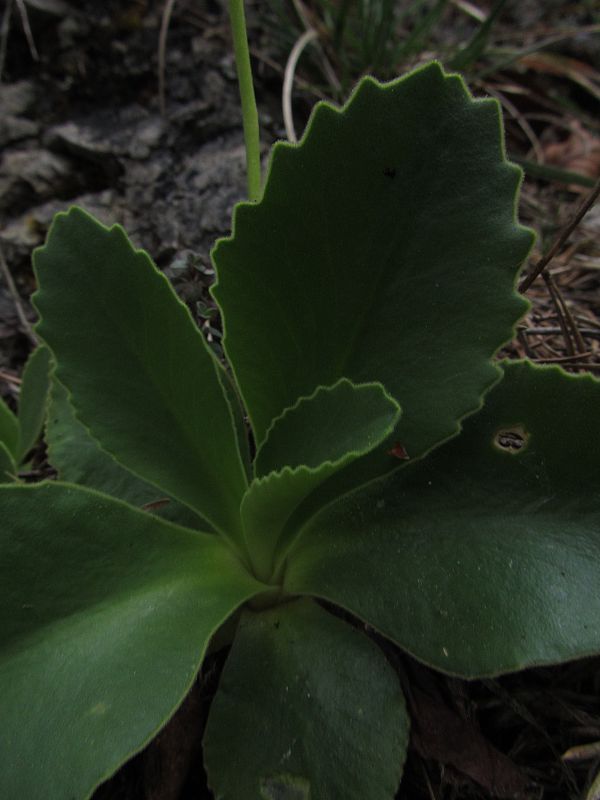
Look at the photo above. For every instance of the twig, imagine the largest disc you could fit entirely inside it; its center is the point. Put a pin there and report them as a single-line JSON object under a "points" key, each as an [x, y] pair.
{"points": [[288, 81], [572, 361], [547, 330], [25, 324], [566, 311], [556, 301], [165, 21], [522, 338], [566, 232]]}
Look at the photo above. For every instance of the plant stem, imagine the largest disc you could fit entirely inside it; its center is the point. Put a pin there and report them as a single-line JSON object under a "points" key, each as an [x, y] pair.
{"points": [[249, 112]]}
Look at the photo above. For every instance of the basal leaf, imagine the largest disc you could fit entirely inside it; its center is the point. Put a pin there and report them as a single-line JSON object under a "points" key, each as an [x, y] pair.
{"points": [[385, 248], [105, 618], [9, 429], [480, 559], [307, 444], [79, 459], [238, 414], [8, 468], [307, 709], [33, 399], [333, 423], [141, 376]]}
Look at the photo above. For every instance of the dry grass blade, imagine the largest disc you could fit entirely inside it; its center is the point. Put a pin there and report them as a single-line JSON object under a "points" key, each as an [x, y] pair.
{"points": [[582, 752], [328, 70], [594, 790], [12, 380], [27, 29], [563, 67], [520, 120], [288, 82], [162, 51], [518, 55], [5, 30]]}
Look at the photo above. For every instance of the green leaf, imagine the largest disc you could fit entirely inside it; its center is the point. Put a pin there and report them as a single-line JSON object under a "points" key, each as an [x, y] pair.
{"points": [[9, 429], [141, 376], [307, 707], [78, 458], [238, 412], [105, 618], [385, 249], [8, 468], [307, 444], [332, 424], [33, 399], [476, 560]]}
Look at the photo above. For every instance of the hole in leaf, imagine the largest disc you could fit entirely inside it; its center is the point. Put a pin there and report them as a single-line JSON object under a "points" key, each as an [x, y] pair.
{"points": [[512, 439]]}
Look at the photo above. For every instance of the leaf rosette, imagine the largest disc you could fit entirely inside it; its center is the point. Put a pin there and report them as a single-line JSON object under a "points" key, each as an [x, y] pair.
{"points": [[363, 299]]}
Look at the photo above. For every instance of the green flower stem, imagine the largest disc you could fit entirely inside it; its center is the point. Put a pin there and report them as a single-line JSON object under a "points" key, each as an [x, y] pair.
{"points": [[249, 112]]}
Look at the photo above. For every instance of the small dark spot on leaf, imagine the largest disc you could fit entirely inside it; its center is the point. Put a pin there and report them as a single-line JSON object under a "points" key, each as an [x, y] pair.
{"points": [[276, 623], [390, 172], [512, 440]]}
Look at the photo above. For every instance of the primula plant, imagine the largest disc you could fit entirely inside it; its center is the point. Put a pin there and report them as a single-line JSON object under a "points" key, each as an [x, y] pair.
{"points": [[352, 450]]}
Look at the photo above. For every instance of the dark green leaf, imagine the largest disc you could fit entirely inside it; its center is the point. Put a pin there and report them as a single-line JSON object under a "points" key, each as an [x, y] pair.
{"points": [[78, 458], [105, 618], [307, 708], [8, 468], [33, 399], [9, 429], [307, 444], [332, 424], [385, 249], [141, 376], [478, 560], [238, 412]]}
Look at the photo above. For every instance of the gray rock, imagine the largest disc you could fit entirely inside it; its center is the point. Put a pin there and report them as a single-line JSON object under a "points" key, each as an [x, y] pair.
{"points": [[21, 235], [15, 129], [188, 202], [27, 175], [108, 134], [17, 98]]}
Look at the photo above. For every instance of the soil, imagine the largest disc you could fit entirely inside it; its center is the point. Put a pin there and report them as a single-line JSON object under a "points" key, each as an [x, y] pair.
{"points": [[81, 124]]}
